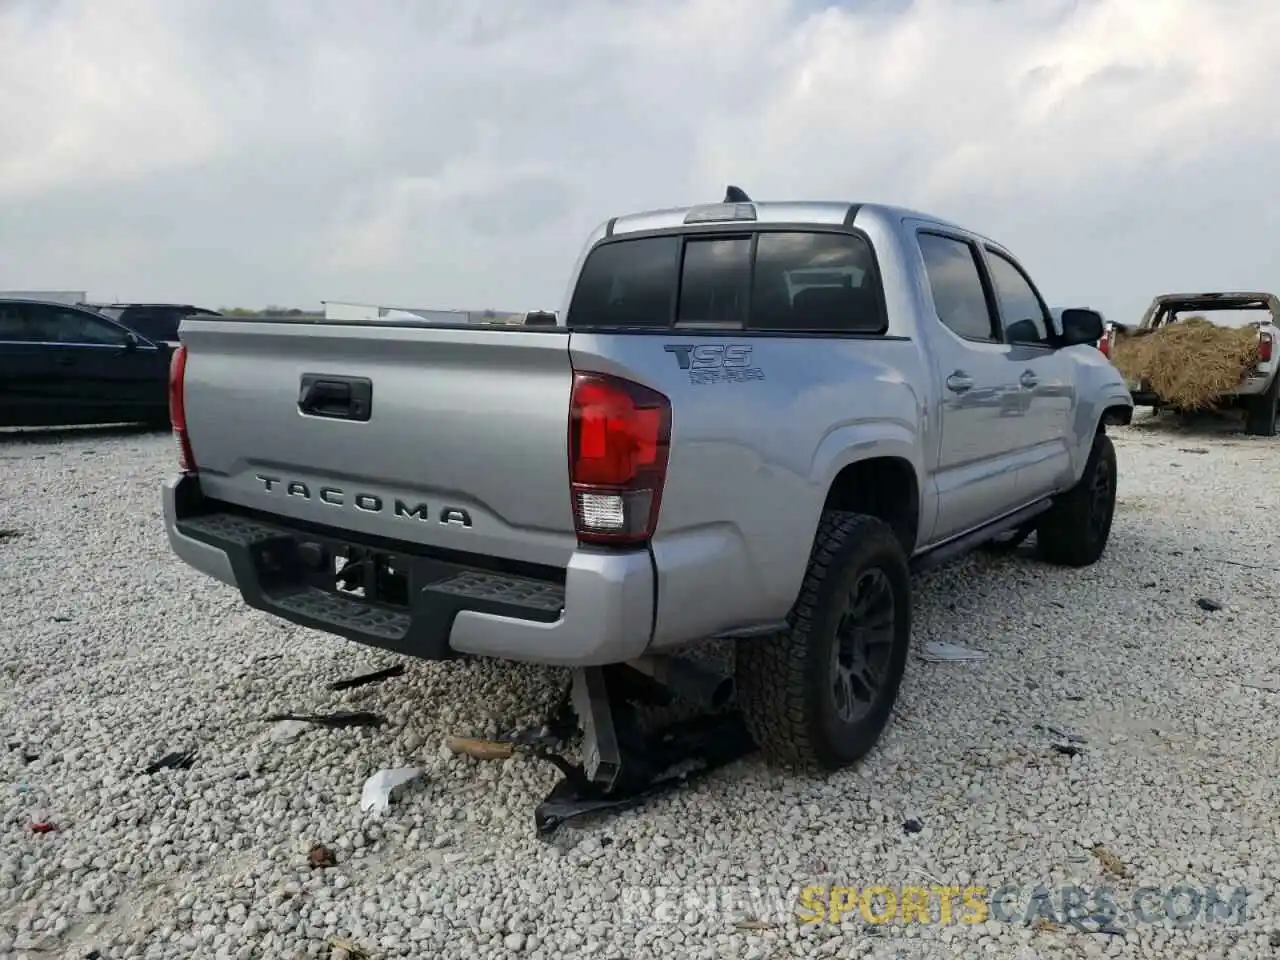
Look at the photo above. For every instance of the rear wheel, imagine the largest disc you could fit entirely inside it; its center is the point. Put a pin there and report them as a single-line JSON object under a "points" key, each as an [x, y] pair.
{"points": [[1261, 414], [1075, 530], [822, 691]]}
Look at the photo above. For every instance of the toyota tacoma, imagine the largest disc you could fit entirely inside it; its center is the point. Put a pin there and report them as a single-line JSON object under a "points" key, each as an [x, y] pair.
{"points": [[749, 420]]}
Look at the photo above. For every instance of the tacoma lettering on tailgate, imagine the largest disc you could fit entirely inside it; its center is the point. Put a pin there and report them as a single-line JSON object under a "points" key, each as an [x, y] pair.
{"points": [[366, 502]]}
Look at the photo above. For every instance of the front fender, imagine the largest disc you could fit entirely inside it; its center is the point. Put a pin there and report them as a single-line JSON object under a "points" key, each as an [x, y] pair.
{"points": [[1099, 386]]}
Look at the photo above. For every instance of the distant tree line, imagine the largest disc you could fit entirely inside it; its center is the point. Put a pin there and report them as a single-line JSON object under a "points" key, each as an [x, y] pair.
{"points": [[268, 312]]}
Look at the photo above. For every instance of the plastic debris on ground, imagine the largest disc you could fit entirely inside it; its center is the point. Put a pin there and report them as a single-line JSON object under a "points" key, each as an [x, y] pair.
{"points": [[341, 718], [347, 950], [1067, 743], [1110, 862], [367, 678], [937, 651], [480, 749], [177, 760], [380, 789], [320, 856], [1066, 735], [1266, 686], [28, 756], [289, 729]]}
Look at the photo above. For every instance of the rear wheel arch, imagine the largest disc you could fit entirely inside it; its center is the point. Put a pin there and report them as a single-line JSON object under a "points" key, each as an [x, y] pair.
{"points": [[885, 487]]}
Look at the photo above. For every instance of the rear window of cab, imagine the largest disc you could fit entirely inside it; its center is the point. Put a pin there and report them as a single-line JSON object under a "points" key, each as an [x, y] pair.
{"points": [[782, 281]]}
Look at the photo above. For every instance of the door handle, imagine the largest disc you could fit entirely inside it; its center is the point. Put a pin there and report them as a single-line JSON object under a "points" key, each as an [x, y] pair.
{"points": [[1028, 379], [959, 382]]}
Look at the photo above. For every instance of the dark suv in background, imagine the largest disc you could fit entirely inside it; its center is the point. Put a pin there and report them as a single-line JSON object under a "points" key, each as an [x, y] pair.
{"points": [[64, 364], [155, 321]]}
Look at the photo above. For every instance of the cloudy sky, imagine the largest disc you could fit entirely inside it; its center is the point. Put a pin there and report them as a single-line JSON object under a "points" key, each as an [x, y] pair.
{"points": [[455, 153]]}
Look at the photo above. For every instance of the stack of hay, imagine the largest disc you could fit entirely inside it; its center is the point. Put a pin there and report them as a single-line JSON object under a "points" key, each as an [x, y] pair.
{"points": [[1189, 363]]}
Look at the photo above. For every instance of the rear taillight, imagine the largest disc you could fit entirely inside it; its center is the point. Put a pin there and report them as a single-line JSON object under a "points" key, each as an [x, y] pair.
{"points": [[619, 435], [1105, 343], [178, 408], [1264, 347]]}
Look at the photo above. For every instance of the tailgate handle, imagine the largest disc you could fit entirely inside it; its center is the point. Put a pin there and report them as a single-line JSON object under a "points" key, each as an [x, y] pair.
{"points": [[336, 397]]}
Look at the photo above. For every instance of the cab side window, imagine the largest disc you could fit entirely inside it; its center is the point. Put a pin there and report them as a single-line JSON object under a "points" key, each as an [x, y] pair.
{"points": [[77, 327], [1021, 311], [956, 284], [15, 326]]}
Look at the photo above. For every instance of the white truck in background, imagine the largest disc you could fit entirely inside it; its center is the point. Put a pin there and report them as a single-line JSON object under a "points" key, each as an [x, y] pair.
{"points": [[1259, 391]]}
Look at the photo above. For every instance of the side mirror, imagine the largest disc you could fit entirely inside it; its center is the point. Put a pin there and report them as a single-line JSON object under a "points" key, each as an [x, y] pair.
{"points": [[539, 318], [1081, 326], [131, 342]]}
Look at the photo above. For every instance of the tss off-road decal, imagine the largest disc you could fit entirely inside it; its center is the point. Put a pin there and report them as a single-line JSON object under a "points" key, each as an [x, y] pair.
{"points": [[716, 362]]}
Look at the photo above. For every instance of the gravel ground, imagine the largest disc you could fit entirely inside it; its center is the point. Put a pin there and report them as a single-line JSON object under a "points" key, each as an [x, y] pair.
{"points": [[114, 653]]}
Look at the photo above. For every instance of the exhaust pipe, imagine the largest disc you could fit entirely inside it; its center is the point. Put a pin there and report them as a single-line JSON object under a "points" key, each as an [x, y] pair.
{"points": [[687, 679]]}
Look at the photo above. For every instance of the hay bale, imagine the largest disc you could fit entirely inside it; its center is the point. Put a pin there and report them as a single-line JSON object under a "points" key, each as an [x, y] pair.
{"points": [[1189, 363]]}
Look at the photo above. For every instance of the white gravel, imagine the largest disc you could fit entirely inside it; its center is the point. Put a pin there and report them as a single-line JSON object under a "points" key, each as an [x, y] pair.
{"points": [[112, 653]]}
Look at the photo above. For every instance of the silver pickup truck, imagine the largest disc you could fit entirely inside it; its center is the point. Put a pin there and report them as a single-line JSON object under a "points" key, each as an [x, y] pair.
{"points": [[749, 420]]}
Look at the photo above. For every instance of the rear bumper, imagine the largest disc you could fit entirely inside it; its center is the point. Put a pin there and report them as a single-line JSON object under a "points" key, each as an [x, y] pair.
{"points": [[598, 611], [1251, 387]]}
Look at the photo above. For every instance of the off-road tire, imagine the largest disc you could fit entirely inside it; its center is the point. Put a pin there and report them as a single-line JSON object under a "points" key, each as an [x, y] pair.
{"points": [[784, 681], [1261, 413], [1074, 531]]}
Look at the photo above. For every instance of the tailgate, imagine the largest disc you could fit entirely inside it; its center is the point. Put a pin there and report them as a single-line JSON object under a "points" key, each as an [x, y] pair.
{"points": [[461, 444]]}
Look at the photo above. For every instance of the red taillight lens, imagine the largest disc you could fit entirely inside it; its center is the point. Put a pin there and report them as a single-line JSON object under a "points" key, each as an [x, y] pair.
{"points": [[619, 435], [178, 409], [1264, 347]]}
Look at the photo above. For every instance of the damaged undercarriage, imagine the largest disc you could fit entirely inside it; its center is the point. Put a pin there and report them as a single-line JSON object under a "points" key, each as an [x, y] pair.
{"points": [[624, 760]]}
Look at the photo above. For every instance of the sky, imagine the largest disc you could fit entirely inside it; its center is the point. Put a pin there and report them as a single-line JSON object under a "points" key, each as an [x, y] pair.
{"points": [[456, 154]]}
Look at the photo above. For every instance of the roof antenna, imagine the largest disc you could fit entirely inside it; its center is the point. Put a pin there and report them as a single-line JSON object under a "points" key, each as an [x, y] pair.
{"points": [[734, 194]]}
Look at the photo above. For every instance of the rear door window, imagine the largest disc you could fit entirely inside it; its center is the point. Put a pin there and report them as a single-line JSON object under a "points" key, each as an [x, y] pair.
{"points": [[799, 281], [16, 325], [956, 284], [78, 327]]}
